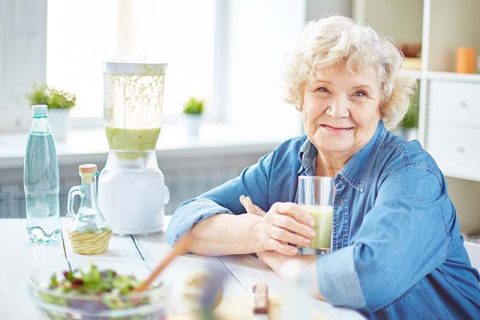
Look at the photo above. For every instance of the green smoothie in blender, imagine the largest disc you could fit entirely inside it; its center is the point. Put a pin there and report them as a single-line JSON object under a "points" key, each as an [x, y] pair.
{"points": [[132, 139]]}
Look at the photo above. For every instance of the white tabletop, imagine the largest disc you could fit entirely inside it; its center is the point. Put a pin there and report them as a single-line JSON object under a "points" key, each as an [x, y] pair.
{"points": [[18, 257]]}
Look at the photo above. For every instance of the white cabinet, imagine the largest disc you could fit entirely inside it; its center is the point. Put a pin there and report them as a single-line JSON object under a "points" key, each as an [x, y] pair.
{"points": [[454, 102], [450, 102], [455, 149], [453, 127]]}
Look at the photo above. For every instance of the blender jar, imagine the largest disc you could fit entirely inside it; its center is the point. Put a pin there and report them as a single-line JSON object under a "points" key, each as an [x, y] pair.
{"points": [[133, 95]]}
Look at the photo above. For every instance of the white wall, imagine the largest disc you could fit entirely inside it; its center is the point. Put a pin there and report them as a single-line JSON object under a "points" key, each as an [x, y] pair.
{"points": [[465, 196], [320, 8], [400, 19]]}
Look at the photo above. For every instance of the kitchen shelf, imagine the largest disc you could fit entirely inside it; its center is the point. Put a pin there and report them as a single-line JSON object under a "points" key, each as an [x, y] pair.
{"points": [[449, 104]]}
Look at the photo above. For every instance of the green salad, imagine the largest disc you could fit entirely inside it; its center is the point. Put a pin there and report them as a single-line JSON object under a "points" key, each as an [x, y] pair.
{"points": [[94, 290], [92, 281]]}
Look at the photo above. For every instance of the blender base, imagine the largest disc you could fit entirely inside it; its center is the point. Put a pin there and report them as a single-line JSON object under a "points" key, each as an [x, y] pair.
{"points": [[133, 202]]}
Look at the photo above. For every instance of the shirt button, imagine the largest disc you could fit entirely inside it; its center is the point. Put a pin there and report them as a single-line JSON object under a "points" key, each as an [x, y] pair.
{"points": [[341, 201]]}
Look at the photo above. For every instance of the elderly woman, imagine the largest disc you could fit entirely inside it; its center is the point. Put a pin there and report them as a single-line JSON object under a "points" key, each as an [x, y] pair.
{"points": [[397, 251]]}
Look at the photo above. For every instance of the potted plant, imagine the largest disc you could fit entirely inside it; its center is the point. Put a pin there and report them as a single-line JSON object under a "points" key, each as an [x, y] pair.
{"points": [[59, 104], [193, 110], [409, 125]]}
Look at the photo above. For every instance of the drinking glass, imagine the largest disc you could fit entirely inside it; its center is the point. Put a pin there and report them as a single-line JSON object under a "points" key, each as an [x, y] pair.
{"points": [[315, 194]]}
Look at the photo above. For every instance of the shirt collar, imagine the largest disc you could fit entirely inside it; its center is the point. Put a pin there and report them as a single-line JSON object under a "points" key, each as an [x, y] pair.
{"points": [[307, 156], [356, 169]]}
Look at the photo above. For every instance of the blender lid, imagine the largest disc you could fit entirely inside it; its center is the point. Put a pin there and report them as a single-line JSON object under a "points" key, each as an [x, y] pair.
{"points": [[134, 67]]}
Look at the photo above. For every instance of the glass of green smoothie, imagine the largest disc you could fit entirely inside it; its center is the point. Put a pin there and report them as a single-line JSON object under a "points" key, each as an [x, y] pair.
{"points": [[315, 194]]}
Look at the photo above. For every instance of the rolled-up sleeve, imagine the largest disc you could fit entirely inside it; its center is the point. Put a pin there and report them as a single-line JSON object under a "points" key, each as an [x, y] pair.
{"points": [[253, 181], [338, 279], [403, 237], [190, 213]]}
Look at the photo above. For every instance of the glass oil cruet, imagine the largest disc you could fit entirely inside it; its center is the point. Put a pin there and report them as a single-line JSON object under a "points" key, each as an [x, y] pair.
{"points": [[88, 231]]}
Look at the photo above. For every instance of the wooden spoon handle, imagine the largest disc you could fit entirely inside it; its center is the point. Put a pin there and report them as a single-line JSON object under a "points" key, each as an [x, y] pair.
{"points": [[179, 248]]}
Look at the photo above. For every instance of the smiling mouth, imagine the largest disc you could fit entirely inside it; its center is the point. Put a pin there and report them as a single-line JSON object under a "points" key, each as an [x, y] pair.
{"points": [[338, 129]]}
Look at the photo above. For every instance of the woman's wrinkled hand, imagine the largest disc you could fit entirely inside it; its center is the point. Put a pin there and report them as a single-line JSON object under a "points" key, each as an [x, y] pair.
{"points": [[284, 227]]}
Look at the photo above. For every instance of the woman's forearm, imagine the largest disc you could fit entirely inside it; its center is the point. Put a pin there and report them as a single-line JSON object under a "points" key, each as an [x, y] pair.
{"points": [[225, 234]]}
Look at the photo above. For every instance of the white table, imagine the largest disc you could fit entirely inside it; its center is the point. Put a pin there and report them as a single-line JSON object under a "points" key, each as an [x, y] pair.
{"points": [[18, 257]]}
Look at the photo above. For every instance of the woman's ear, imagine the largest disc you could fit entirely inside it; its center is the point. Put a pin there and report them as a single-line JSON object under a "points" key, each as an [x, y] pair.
{"points": [[380, 108]]}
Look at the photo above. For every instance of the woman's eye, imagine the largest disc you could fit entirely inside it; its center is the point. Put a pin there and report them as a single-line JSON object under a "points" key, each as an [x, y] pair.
{"points": [[360, 94], [322, 90]]}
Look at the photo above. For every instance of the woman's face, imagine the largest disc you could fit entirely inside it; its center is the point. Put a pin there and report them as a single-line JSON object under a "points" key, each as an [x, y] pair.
{"points": [[341, 109]]}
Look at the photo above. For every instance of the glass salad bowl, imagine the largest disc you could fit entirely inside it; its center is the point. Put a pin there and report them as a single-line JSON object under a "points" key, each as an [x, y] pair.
{"points": [[97, 289]]}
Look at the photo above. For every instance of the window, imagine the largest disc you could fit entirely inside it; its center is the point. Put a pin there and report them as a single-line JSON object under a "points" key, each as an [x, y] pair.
{"points": [[229, 52], [82, 34]]}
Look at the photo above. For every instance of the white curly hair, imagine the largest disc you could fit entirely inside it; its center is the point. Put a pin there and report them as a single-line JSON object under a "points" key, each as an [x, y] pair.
{"points": [[338, 40]]}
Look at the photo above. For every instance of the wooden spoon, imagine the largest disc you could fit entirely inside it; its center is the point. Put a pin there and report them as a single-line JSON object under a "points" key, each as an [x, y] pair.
{"points": [[179, 248]]}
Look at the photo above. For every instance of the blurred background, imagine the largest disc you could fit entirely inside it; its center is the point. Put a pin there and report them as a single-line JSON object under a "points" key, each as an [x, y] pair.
{"points": [[230, 54]]}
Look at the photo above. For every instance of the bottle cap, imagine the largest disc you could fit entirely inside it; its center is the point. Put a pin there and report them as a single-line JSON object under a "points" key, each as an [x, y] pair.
{"points": [[87, 168], [39, 111]]}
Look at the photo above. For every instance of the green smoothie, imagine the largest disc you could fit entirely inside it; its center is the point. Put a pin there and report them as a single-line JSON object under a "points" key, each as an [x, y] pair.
{"points": [[323, 217], [132, 140]]}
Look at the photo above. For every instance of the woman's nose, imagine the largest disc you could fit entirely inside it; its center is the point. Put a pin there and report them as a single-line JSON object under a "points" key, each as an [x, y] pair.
{"points": [[338, 108]]}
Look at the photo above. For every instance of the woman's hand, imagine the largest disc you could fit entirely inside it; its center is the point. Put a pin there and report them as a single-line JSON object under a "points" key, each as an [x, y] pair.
{"points": [[284, 227]]}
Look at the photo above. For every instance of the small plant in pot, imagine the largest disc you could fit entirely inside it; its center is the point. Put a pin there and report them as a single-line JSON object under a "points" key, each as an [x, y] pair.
{"points": [[59, 104], [193, 110]]}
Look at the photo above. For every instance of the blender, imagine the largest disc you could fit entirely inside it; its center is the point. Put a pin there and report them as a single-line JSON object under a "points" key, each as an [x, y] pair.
{"points": [[131, 188]]}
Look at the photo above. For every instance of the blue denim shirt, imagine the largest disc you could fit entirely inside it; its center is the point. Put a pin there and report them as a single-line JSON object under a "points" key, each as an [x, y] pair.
{"points": [[397, 251]]}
